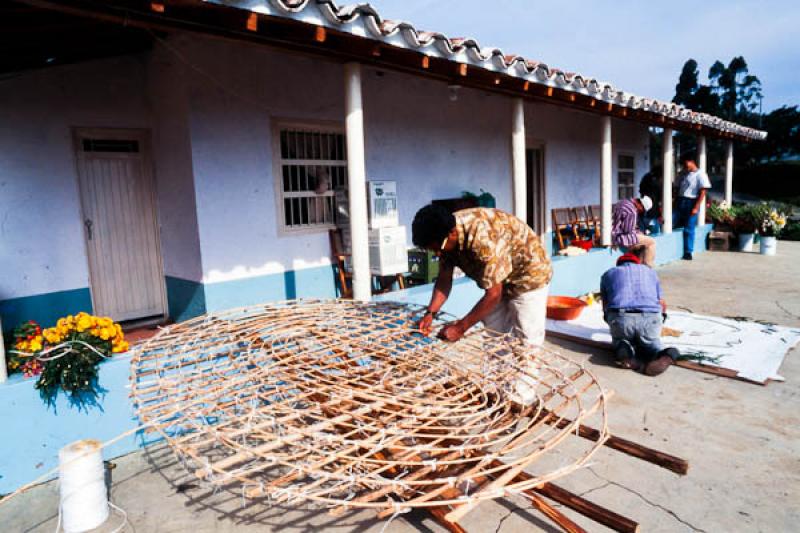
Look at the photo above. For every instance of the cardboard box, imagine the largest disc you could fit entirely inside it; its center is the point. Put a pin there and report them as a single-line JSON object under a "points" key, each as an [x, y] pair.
{"points": [[719, 241]]}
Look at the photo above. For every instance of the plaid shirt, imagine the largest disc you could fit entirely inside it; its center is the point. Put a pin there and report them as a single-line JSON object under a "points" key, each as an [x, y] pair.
{"points": [[623, 223], [496, 247]]}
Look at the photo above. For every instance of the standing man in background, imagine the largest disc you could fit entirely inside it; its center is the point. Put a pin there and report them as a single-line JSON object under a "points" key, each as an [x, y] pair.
{"points": [[692, 186], [502, 254]]}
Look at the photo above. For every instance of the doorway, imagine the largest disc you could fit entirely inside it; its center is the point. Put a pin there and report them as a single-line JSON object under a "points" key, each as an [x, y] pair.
{"points": [[120, 225], [535, 183]]}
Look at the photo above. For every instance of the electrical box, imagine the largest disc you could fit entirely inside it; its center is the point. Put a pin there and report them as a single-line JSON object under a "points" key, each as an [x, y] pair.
{"points": [[382, 198], [388, 254], [423, 265]]}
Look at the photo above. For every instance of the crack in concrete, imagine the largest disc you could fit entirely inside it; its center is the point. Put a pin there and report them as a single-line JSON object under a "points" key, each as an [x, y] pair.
{"points": [[604, 485], [650, 503], [782, 308], [526, 507]]}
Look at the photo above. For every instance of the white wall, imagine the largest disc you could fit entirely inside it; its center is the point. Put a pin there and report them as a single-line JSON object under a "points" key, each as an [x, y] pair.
{"points": [[433, 147], [572, 152], [231, 106], [41, 232], [172, 155]]}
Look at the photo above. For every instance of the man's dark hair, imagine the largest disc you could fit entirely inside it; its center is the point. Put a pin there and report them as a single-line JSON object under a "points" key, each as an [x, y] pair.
{"points": [[431, 225], [689, 156]]}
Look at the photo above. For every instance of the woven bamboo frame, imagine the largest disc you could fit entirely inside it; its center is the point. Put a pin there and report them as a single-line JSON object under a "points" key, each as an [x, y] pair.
{"points": [[346, 404]]}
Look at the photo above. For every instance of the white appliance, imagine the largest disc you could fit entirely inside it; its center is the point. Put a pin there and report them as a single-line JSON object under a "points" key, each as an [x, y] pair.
{"points": [[388, 253], [382, 198]]}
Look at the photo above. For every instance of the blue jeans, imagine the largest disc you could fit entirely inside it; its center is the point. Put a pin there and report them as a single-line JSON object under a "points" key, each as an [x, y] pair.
{"points": [[683, 218], [642, 331]]}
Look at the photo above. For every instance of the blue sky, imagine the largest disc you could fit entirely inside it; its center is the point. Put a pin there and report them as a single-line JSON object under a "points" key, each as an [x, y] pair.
{"points": [[639, 46]]}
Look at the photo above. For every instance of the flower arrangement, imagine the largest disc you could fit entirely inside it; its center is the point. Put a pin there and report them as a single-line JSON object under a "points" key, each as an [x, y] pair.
{"points": [[743, 220], [65, 356], [769, 220], [721, 213]]}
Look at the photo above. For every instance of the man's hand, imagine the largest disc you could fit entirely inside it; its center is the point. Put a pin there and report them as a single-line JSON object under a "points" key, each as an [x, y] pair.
{"points": [[426, 323], [452, 332]]}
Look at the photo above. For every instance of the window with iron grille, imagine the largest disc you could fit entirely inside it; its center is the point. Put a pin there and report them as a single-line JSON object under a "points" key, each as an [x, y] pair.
{"points": [[625, 172], [312, 166]]}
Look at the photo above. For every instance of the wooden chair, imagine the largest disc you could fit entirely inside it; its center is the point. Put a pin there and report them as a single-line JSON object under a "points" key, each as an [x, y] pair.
{"points": [[564, 226], [340, 258], [582, 221], [595, 217]]}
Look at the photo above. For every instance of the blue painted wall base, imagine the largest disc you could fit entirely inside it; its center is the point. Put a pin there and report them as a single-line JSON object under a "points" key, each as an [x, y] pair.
{"points": [[44, 308]]}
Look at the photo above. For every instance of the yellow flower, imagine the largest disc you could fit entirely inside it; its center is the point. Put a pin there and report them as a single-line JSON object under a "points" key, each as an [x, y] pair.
{"points": [[120, 347], [84, 323], [36, 344]]}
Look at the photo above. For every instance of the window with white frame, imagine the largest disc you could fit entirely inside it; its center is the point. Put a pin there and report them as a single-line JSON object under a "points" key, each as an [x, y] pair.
{"points": [[625, 172], [312, 166]]}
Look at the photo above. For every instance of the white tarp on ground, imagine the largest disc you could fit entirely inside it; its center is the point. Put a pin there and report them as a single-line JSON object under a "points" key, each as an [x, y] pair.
{"points": [[753, 349]]}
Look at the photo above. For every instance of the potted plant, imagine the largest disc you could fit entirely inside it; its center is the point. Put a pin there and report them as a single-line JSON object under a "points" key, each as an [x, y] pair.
{"points": [[744, 225], [65, 356], [770, 221], [722, 215]]}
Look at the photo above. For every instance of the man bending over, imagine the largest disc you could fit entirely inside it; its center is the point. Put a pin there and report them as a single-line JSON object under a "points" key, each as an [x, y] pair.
{"points": [[502, 255]]}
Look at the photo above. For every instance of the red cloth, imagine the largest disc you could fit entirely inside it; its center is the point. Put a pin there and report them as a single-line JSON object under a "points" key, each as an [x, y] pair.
{"points": [[628, 258]]}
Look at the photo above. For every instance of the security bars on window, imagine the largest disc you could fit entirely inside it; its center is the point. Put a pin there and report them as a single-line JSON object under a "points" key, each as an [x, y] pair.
{"points": [[313, 164]]}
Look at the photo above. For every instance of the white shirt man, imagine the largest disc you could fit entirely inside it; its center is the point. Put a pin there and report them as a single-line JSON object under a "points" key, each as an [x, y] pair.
{"points": [[691, 195], [692, 183]]}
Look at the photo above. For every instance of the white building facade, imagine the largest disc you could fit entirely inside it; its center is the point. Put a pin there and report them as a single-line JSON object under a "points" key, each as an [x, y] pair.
{"points": [[186, 178]]}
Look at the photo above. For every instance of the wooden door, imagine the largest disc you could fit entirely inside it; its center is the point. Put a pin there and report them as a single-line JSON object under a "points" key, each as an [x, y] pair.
{"points": [[119, 217]]}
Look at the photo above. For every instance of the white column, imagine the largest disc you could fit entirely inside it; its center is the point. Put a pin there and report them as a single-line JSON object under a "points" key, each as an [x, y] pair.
{"points": [[605, 183], [729, 174], [357, 181], [518, 173], [702, 161], [668, 159]]}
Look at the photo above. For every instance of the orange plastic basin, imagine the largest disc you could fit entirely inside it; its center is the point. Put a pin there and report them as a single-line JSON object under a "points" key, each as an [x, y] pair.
{"points": [[564, 307]]}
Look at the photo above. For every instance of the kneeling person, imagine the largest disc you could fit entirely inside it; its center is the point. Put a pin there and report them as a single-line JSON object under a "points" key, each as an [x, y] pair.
{"points": [[502, 254], [632, 307]]}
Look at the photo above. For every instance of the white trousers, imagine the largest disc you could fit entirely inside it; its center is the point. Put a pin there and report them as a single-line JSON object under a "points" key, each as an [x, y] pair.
{"points": [[523, 315]]}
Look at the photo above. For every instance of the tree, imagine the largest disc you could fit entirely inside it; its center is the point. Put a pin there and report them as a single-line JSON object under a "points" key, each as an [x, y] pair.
{"points": [[737, 89], [687, 84]]}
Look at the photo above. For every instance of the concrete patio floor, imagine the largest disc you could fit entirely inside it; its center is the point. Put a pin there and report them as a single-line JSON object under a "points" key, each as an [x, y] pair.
{"points": [[742, 441]]}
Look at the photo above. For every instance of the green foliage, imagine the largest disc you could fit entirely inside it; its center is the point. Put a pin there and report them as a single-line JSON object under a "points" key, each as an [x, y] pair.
{"points": [[743, 218], [735, 94], [791, 232], [720, 213], [75, 372], [770, 219]]}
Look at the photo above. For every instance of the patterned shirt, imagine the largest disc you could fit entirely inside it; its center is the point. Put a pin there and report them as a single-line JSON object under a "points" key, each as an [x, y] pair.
{"points": [[496, 247], [623, 223], [631, 287]]}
